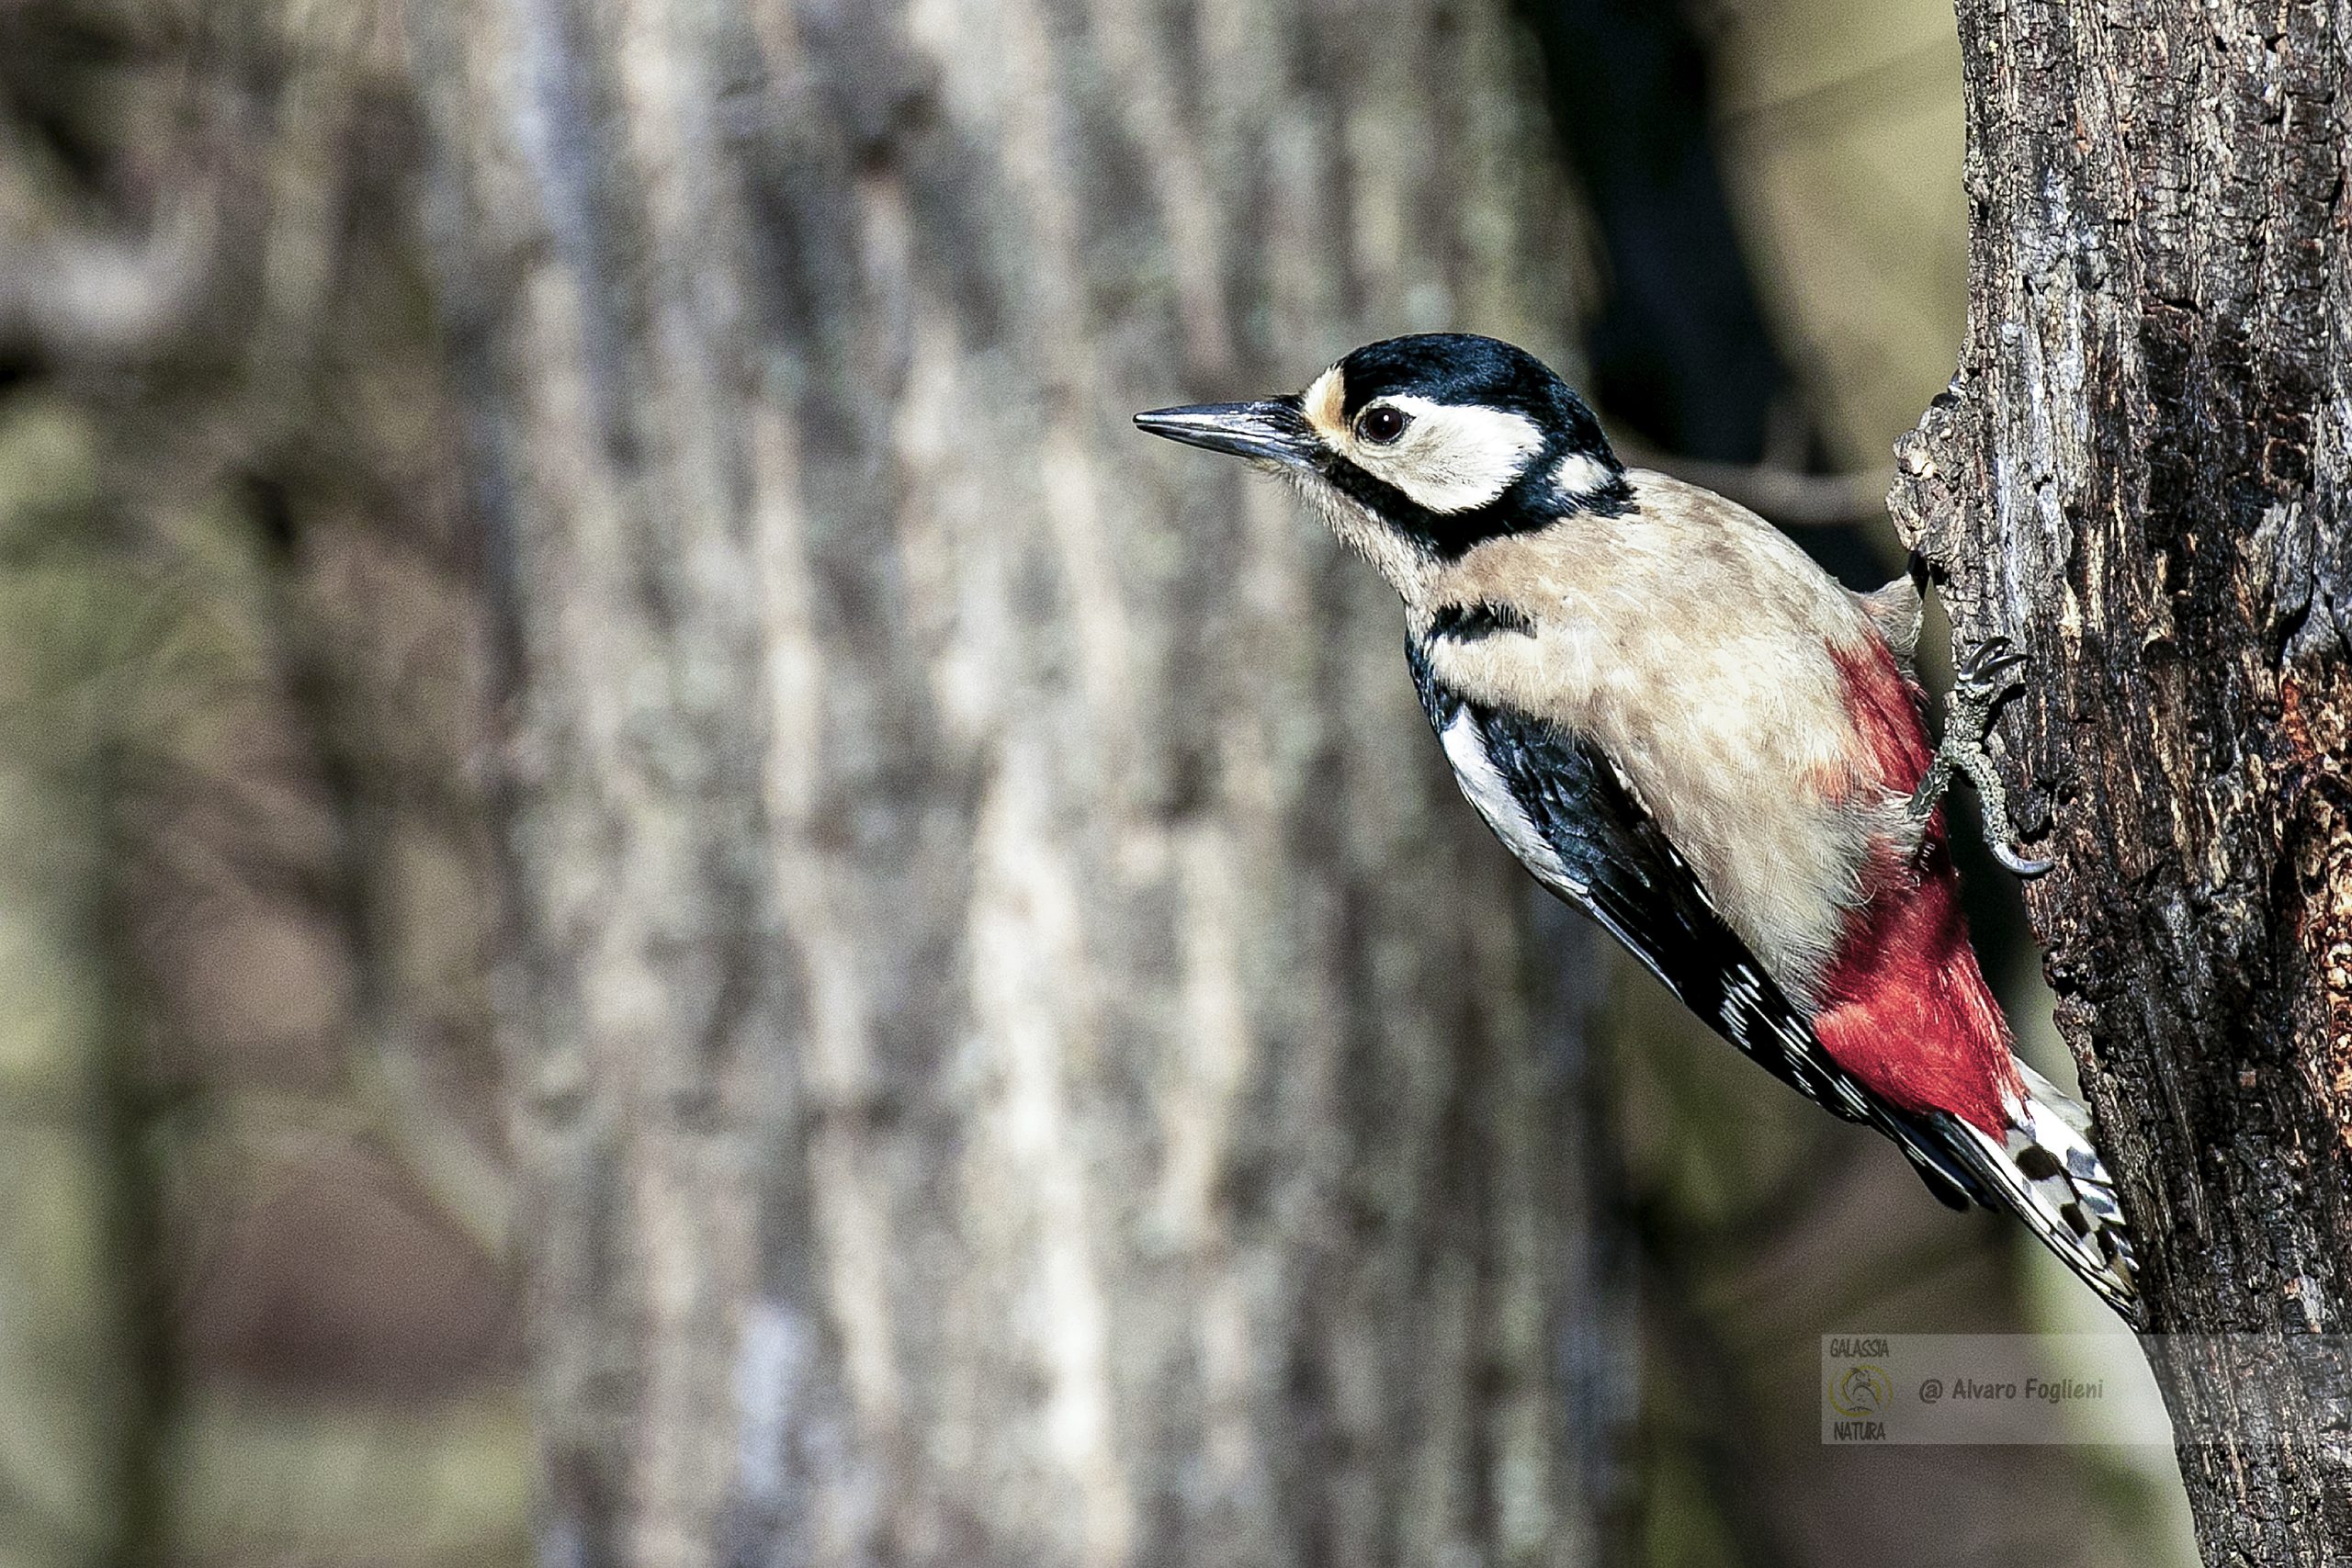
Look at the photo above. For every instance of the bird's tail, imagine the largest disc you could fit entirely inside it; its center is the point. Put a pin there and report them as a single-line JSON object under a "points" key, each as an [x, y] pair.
{"points": [[2045, 1170]]}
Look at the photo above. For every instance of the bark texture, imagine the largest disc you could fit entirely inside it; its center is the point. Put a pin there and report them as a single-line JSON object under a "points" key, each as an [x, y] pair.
{"points": [[2140, 476], [1019, 1056]]}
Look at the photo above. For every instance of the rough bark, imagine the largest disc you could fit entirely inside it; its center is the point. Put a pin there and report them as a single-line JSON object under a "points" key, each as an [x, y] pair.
{"points": [[2140, 476], [1019, 1056]]}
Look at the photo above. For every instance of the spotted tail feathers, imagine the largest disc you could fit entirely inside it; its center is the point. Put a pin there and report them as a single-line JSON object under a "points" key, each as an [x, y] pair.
{"points": [[2046, 1172]]}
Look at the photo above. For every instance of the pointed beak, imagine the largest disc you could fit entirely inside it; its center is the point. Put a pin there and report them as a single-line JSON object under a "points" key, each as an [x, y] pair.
{"points": [[1272, 430]]}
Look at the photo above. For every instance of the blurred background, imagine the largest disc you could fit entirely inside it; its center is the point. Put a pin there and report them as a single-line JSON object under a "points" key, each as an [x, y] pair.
{"points": [[287, 554]]}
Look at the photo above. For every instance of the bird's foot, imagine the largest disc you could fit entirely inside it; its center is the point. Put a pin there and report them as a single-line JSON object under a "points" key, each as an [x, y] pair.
{"points": [[1985, 676]]}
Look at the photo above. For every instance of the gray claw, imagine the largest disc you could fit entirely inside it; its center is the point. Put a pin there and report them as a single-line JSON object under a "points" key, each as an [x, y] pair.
{"points": [[1985, 672], [2028, 866], [1980, 679], [1993, 646]]}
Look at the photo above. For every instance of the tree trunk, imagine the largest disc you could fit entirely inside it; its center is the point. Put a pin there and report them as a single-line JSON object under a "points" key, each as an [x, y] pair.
{"points": [[2139, 477], [1018, 1055]]}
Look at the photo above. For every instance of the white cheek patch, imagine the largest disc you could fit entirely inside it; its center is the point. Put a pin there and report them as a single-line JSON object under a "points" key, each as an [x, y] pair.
{"points": [[1579, 475], [1452, 458]]}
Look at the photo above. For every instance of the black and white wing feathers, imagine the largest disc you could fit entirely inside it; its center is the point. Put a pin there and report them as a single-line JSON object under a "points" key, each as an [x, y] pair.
{"points": [[1563, 808]]}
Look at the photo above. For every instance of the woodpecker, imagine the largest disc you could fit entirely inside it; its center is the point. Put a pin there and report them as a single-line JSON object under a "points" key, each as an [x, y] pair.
{"points": [[1688, 730]]}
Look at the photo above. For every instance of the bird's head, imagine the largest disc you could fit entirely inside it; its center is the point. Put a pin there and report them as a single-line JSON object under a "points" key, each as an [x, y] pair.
{"points": [[1418, 448]]}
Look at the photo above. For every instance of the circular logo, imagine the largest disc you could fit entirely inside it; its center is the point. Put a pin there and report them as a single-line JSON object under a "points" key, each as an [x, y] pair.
{"points": [[1860, 1390]]}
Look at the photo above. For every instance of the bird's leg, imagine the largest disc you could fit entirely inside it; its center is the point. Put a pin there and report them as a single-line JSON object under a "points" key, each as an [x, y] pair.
{"points": [[1980, 681]]}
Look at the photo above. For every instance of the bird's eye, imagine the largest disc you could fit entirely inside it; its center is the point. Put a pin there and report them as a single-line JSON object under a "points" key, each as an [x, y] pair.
{"points": [[1382, 425]]}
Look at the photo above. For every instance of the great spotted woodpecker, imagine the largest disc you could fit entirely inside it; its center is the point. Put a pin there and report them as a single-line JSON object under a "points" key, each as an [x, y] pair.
{"points": [[1684, 727]]}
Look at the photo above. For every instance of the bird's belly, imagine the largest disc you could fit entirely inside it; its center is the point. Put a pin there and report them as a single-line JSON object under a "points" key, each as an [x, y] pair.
{"points": [[1780, 858]]}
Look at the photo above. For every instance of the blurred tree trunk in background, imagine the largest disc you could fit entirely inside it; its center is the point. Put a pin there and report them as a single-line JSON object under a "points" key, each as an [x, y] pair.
{"points": [[1019, 1057], [251, 1301], [2140, 478]]}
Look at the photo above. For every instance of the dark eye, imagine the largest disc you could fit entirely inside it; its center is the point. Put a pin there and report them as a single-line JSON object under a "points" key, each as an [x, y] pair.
{"points": [[1382, 425]]}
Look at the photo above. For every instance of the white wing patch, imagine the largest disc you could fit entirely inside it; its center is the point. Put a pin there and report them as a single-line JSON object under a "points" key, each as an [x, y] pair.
{"points": [[1485, 790]]}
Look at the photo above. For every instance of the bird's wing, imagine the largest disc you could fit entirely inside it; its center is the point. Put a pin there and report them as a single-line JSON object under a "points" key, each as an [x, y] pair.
{"points": [[1562, 806]]}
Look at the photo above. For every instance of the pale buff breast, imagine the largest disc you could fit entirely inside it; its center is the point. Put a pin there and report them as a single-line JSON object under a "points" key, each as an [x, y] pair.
{"points": [[1692, 641]]}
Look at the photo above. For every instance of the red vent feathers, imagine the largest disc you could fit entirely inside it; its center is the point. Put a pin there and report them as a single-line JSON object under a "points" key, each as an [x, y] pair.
{"points": [[1904, 1005]]}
